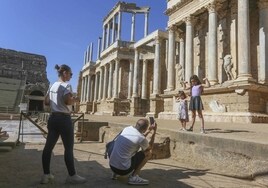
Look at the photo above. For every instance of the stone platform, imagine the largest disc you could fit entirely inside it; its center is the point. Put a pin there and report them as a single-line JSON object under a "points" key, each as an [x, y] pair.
{"points": [[232, 150]]}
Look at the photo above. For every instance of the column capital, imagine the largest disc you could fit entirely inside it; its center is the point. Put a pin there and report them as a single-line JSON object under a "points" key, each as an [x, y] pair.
{"points": [[117, 59], [172, 28], [157, 40], [263, 4], [211, 7], [189, 20], [233, 6], [145, 60]]}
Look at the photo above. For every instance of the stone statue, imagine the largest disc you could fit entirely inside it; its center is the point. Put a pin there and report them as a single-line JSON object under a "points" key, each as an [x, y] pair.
{"points": [[228, 65], [180, 74]]}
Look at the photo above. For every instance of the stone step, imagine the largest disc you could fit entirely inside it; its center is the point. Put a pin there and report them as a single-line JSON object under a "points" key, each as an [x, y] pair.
{"points": [[5, 148]]}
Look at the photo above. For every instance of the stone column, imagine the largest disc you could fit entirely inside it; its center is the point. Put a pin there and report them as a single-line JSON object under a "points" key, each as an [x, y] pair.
{"points": [[146, 14], [100, 83], [263, 40], [113, 30], [85, 57], [82, 89], [88, 87], [144, 79], [171, 59], [244, 71], [110, 85], [119, 25], [156, 85], [182, 63], [116, 75], [104, 94], [88, 51], [212, 44], [233, 38], [96, 86], [133, 27], [99, 47], [108, 35], [136, 73], [103, 37], [189, 48], [130, 79], [91, 96], [91, 52]]}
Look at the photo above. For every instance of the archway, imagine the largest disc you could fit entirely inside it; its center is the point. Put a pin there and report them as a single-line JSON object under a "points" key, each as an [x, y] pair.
{"points": [[36, 101]]}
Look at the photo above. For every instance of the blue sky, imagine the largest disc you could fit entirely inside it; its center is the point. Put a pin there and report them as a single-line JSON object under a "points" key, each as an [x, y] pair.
{"points": [[61, 30]]}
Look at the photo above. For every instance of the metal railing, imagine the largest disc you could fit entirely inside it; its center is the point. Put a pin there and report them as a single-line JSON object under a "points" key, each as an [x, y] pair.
{"points": [[34, 121]]}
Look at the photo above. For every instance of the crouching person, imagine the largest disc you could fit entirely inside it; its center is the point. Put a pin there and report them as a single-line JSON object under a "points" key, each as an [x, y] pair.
{"points": [[132, 151]]}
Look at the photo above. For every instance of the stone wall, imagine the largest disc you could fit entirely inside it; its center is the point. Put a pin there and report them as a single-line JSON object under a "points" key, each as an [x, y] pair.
{"points": [[30, 68]]}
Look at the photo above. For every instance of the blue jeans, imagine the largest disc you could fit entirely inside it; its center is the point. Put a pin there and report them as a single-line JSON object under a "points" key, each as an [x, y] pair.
{"points": [[59, 125]]}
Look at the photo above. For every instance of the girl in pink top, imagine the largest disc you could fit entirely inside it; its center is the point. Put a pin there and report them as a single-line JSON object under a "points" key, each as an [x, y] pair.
{"points": [[196, 105]]}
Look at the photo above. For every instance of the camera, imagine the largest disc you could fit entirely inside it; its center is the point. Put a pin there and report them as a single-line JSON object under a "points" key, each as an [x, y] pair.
{"points": [[151, 120]]}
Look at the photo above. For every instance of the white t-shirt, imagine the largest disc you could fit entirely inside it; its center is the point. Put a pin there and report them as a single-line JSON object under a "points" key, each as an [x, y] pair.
{"points": [[126, 145], [56, 96]]}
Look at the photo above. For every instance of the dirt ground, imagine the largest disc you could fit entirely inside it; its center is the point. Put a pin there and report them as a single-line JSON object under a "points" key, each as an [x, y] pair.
{"points": [[21, 168]]}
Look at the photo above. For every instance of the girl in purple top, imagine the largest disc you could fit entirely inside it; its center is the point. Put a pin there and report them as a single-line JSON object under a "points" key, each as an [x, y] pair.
{"points": [[196, 105]]}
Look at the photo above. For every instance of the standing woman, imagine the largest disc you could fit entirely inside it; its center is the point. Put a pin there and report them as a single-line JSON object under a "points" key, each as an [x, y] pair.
{"points": [[60, 98], [196, 105]]}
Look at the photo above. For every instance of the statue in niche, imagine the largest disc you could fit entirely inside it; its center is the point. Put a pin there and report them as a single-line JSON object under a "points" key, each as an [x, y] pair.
{"points": [[180, 74], [228, 65]]}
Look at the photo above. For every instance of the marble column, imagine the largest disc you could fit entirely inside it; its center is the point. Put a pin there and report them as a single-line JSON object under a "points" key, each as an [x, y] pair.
{"points": [[156, 82], [88, 87], [212, 44], [82, 89], [130, 79], [103, 37], [100, 83], [105, 79], [113, 30], [136, 74], [133, 27], [108, 35], [85, 57], [171, 59], [110, 85], [99, 47], [182, 52], [88, 53], [189, 48], [116, 76], [144, 79], [244, 71], [263, 40], [233, 38], [96, 86], [91, 52], [119, 25], [91, 96], [146, 14]]}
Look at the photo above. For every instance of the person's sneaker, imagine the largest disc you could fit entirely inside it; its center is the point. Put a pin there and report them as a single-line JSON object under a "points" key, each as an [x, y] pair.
{"points": [[114, 176], [202, 131], [137, 180], [183, 129], [46, 178], [75, 179]]}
